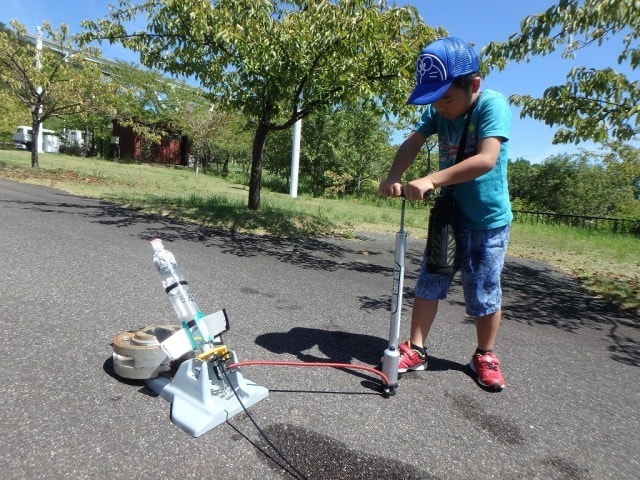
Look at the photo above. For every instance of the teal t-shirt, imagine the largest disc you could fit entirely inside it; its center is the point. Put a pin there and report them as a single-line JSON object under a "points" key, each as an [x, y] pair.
{"points": [[483, 203]]}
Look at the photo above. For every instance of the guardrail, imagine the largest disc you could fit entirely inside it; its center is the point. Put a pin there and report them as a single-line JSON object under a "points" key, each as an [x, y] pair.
{"points": [[617, 225]]}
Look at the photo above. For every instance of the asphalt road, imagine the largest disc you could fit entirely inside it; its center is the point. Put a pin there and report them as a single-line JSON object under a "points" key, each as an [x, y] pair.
{"points": [[76, 272]]}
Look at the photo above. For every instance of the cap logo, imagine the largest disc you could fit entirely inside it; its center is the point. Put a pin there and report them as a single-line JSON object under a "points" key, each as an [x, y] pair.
{"points": [[430, 69]]}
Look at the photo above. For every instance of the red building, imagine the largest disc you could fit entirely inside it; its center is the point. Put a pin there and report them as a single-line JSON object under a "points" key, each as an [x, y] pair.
{"points": [[173, 148]]}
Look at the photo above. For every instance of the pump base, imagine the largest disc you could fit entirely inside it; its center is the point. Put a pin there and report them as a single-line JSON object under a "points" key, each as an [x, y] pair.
{"points": [[390, 362], [202, 398]]}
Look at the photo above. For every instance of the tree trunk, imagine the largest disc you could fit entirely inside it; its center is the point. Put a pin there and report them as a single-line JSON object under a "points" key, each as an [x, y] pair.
{"points": [[225, 165], [256, 165], [35, 132]]}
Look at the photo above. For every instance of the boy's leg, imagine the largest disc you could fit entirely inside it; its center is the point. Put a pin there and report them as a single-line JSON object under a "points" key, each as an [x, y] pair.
{"points": [[487, 330], [422, 316], [429, 288], [484, 362], [481, 270], [413, 355]]}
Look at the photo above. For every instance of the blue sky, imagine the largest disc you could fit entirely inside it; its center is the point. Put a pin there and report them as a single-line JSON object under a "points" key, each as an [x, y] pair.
{"points": [[477, 21]]}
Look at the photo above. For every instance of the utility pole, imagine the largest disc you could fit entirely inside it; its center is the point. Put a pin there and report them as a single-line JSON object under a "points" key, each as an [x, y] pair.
{"points": [[295, 159], [37, 142], [295, 155]]}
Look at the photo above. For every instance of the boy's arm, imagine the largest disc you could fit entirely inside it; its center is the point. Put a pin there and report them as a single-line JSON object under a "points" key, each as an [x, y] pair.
{"points": [[406, 154], [464, 171]]}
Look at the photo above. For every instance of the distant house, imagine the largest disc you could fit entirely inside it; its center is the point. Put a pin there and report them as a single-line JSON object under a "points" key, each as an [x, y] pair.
{"points": [[173, 148]]}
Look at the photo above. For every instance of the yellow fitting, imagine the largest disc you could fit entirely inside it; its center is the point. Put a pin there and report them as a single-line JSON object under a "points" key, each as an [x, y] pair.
{"points": [[218, 351]]}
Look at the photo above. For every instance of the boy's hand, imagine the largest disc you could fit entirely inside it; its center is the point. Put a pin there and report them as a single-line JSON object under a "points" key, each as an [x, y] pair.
{"points": [[418, 189], [390, 187]]}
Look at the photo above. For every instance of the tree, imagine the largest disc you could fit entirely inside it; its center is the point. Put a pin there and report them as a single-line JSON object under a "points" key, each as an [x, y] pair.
{"points": [[12, 113], [521, 181], [59, 79], [232, 143], [553, 179], [594, 104], [202, 125], [587, 183], [590, 191], [150, 104], [622, 171], [276, 62], [344, 141], [354, 146]]}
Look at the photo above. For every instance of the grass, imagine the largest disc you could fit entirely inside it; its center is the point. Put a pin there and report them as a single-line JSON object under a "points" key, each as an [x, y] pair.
{"points": [[607, 264]]}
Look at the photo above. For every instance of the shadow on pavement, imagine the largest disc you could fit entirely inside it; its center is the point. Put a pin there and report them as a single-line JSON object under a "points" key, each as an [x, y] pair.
{"points": [[535, 293]]}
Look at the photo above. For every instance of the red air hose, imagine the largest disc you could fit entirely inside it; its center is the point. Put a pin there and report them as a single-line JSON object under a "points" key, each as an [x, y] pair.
{"points": [[283, 363]]}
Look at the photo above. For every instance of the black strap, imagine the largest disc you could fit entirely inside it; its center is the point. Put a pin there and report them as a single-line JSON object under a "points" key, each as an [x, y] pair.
{"points": [[174, 285], [463, 141], [463, 138]]}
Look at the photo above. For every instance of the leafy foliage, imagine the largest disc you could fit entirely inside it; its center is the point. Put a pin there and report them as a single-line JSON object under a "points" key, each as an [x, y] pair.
{"points": [[13, 113], [348, 142], [594, 104], [276, 62], [151, 104], [217, 138], [60, 79], [589, 183]]}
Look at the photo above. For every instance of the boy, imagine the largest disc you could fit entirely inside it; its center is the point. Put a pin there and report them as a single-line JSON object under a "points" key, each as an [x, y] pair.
{"points": [[448, 82]]}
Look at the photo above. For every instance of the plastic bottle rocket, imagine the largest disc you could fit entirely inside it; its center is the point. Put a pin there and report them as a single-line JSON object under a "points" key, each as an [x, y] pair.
{"points": [[181, 297]]}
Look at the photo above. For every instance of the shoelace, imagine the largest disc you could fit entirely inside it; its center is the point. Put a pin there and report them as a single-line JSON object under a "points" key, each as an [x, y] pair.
{"points": [[490, 365], [406, 348]]}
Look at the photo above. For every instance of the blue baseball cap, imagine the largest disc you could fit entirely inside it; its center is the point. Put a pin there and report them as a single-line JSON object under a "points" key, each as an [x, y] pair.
{"points": [[438, 64]]}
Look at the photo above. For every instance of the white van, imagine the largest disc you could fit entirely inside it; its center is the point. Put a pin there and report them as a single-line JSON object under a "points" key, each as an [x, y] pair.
{"points": [[22, 139]]}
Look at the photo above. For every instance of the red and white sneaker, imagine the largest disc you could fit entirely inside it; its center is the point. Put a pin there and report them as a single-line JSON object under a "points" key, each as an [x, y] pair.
{"points": [[487, 367], [410, 359]]}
